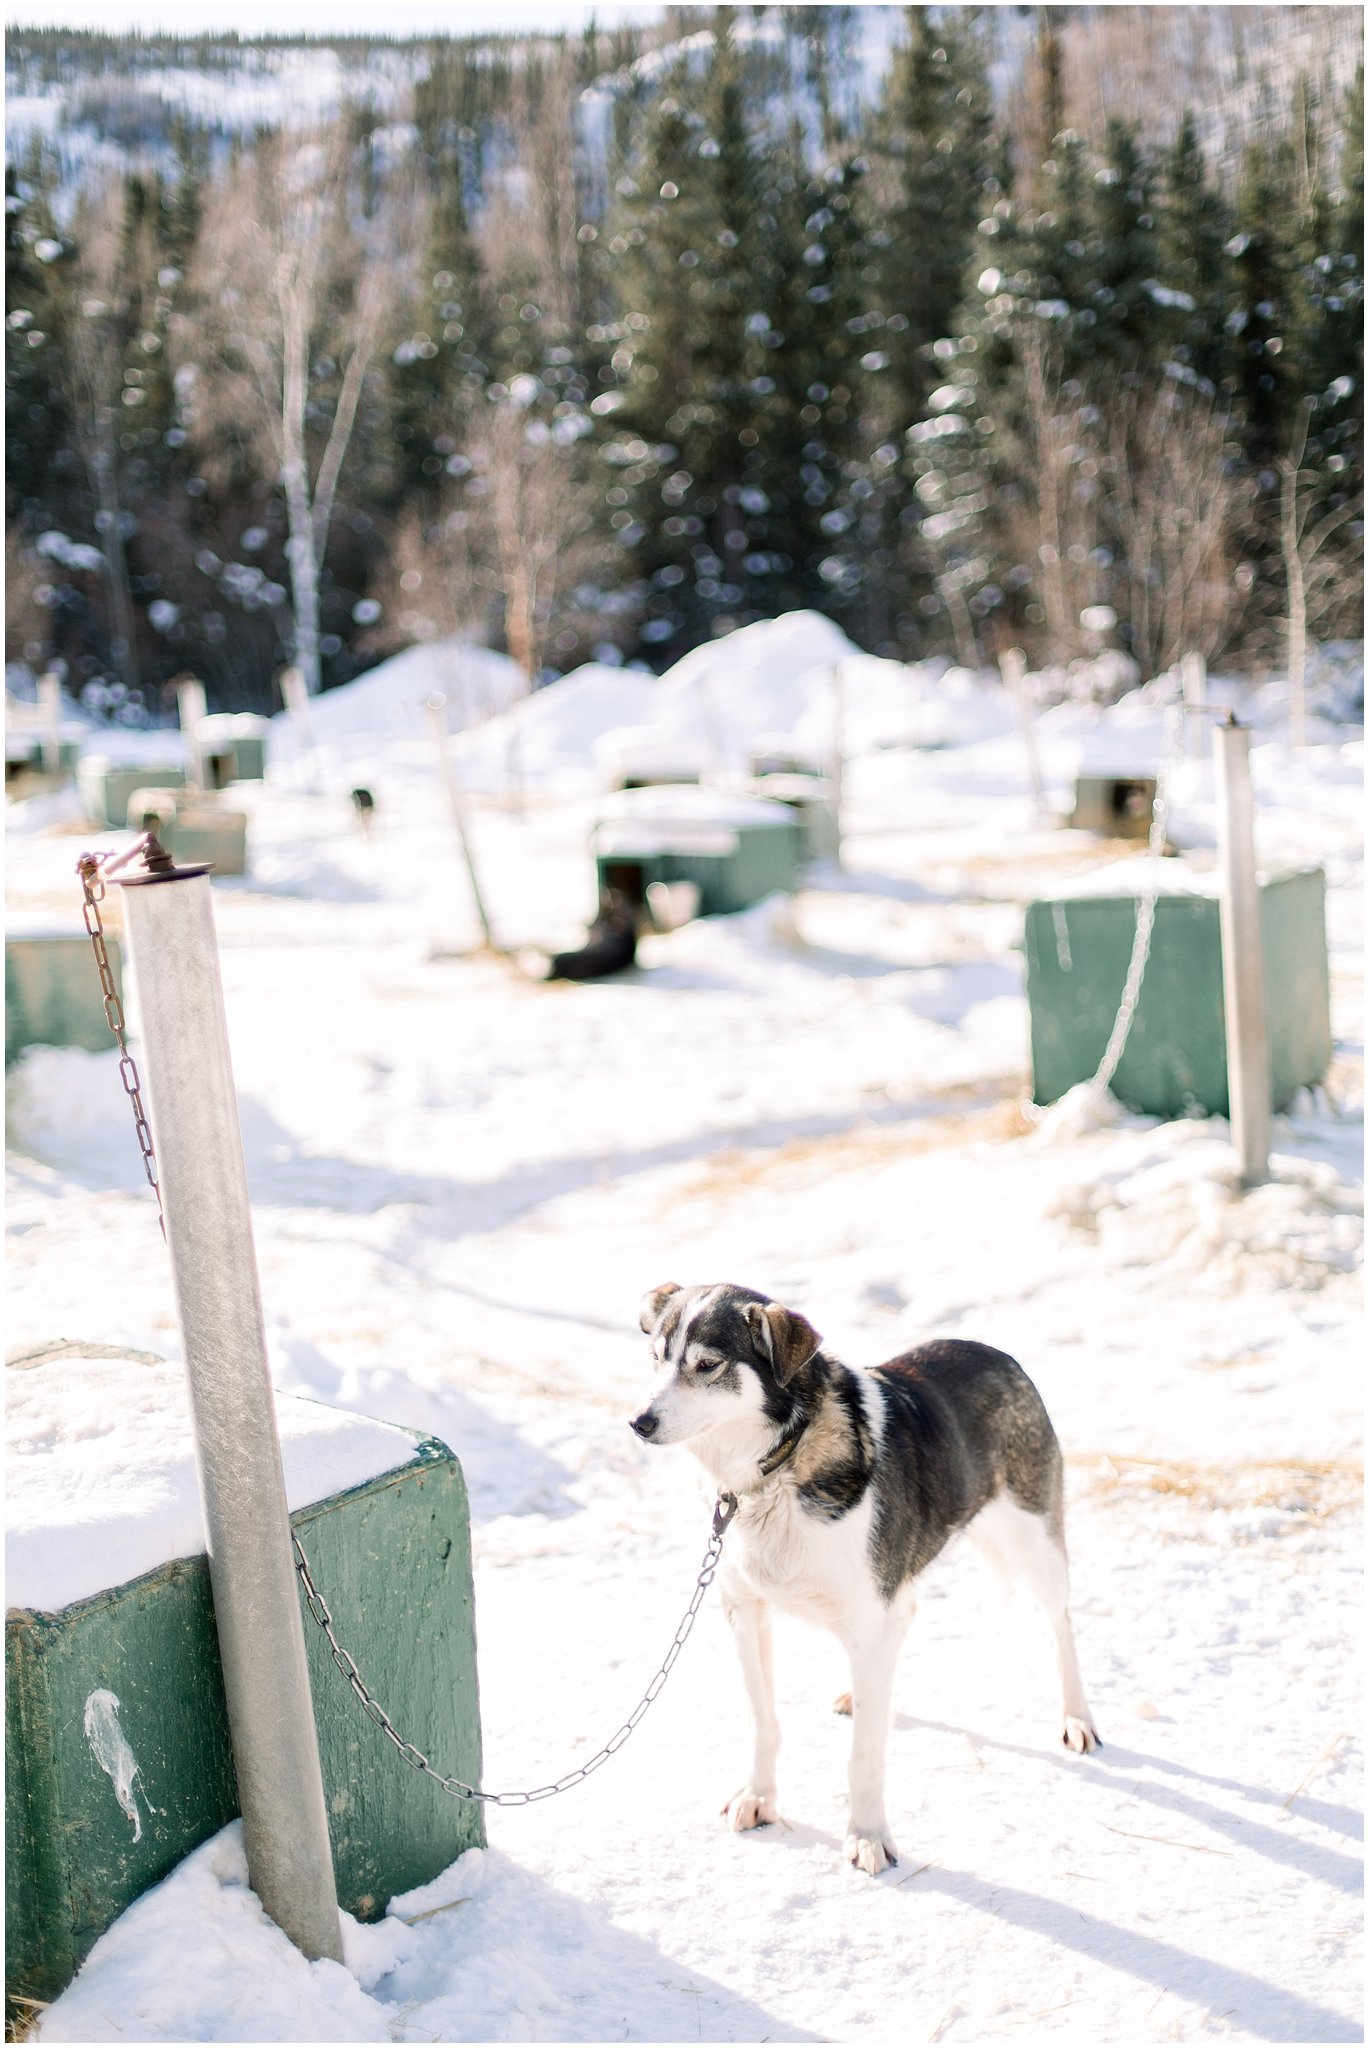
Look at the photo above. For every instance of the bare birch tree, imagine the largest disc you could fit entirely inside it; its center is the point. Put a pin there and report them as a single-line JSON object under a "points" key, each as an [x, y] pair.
{"points": [[1171, 503], [304, 290], [1315, 577], [1063, 533], [536, 515]]}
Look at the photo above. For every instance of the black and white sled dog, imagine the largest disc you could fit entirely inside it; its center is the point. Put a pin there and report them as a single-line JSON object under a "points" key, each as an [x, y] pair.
{"points": [[848, 1484]]}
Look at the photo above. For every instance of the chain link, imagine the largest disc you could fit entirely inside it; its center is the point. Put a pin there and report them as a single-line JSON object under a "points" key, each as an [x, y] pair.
{"points": [[1145, 909], [723, 1512], [93, 887]]}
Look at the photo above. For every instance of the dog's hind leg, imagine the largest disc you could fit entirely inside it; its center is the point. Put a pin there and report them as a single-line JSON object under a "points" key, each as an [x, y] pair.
{"points": [[1022, 1544], [754, 1805], [874, 1656]]}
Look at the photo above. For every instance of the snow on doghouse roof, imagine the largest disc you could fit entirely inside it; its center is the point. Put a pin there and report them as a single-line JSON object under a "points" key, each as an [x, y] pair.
{"points": [[688, 803], [100, 1469]]}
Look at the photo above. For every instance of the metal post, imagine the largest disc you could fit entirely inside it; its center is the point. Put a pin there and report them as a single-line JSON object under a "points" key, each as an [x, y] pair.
{"points": [[295, 697], [437, 705], [1247, 1030], [1193, 682], [1012, 663], [838, 750], [708, 719], [193, 1110], [50, 698], [192, 705]]}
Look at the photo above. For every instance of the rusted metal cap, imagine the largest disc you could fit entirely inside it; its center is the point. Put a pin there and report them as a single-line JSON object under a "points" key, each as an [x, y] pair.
{"points": [[157, 865]]}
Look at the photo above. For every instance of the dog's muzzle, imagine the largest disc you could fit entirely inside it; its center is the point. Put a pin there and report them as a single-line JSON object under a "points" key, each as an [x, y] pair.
{"points": [[646, 1424]]}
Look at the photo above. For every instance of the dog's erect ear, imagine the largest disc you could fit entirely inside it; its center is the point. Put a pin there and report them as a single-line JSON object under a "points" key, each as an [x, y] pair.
{"points": [[784, 1340], [653, 1303]]}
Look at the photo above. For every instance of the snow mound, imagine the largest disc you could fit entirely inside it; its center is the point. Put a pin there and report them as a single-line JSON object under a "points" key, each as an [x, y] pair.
{"points": [[488, 1950], [1081, 1109], [68, 1108], [101, 1480], [777, 681], [53, 807], [555, 734], [1169, 1196], [357, 727], [248, 1981], [752, 684]]}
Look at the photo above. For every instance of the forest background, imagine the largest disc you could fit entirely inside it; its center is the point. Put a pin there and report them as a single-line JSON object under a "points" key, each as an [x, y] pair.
{"points": [[965, 326]]}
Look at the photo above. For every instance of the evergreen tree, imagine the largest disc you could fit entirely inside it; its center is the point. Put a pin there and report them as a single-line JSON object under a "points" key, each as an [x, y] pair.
{"points": [[440, 369], [1122, 254], [1193, 229], [185, 202], [1327, 350], [1262, 313], [37, 259], [694, 346], [933, 134], [818, 541]]}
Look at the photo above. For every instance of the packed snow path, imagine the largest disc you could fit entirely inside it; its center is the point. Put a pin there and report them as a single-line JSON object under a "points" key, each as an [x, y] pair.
{"points": [[463, 1183]]}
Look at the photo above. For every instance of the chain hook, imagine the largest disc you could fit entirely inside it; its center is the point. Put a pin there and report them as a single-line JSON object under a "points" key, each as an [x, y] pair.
{"points": [[92, 869]]}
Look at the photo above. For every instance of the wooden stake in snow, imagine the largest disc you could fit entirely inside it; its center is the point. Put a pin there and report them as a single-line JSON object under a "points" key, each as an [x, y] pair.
{"points": [[1292, 519], [1247, 1029], [838, 751], [295, 697], [1012, 663], [437, 707], [1193, 681], [50, 699], [192, 705], [708, 719]]}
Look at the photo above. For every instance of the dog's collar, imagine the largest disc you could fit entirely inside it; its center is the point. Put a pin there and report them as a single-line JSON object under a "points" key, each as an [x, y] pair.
{"points": [[784, 1450]]}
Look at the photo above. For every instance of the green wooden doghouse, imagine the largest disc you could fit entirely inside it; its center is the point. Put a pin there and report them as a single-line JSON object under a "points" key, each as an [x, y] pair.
{"points": [[735, 849], [1078, 949], [52, 991], [137, 1664]]}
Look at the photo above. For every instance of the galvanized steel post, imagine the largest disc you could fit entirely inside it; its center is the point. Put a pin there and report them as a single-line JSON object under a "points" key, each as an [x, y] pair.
{"points": [[1193, 684], [1247, 1028], [192, 706], [838, 753], [1012, 666], [294, 693], [50, 698], [189, 1081], [437, 721]]}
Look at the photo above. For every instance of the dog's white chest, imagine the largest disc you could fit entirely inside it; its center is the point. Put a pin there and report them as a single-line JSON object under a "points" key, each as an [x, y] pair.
{"points": [[805, 1564]]}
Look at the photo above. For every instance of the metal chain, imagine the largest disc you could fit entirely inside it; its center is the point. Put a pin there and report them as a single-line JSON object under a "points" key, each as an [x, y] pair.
{"points": [[724, 1510], [92, 884], [1145, 909]]}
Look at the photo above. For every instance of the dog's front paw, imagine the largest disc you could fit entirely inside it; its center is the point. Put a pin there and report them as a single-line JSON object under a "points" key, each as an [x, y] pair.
{"points": [[1080, 1736], [870, 1853], [750, 1810], [842, 1704]]}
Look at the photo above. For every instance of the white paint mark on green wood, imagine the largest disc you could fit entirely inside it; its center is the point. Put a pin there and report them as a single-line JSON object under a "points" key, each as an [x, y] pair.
{"points": [[109, 1746]]}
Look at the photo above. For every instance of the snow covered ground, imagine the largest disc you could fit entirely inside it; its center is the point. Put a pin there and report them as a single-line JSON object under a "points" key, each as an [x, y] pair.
{"points": [[463, 1183]]}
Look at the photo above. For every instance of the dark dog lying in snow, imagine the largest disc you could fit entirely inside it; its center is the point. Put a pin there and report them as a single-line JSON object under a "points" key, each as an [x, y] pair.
{"points": [[610, 947], [849, 1484]]}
